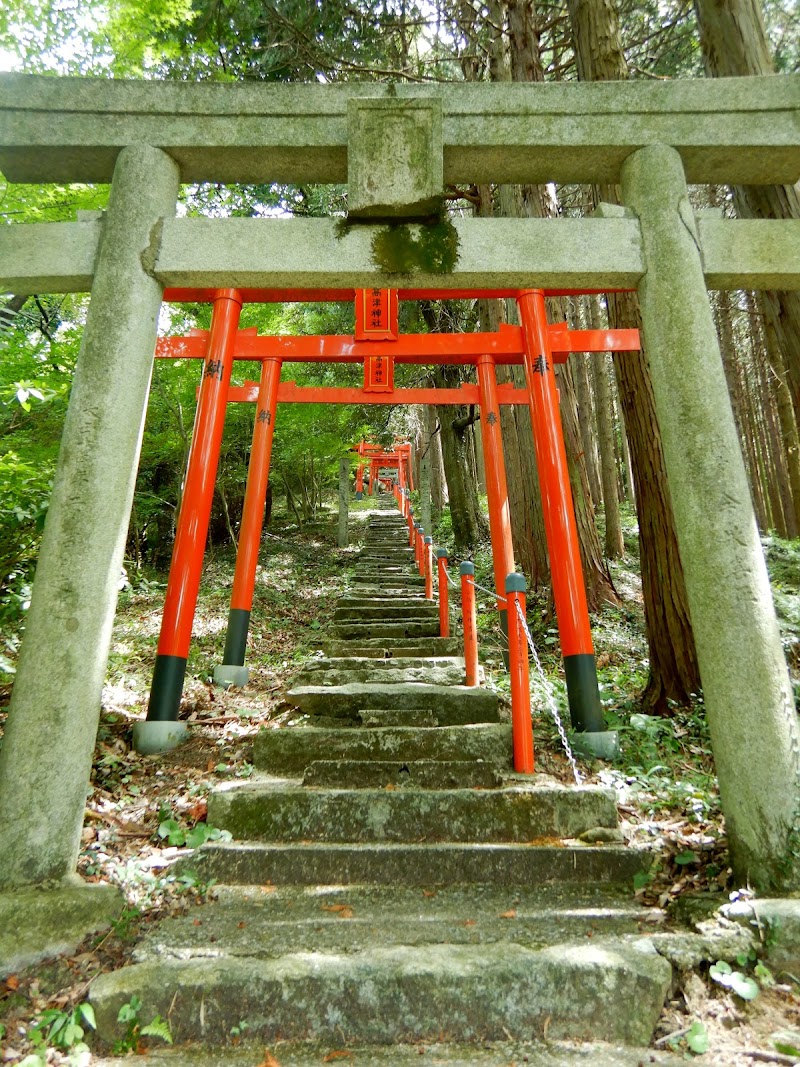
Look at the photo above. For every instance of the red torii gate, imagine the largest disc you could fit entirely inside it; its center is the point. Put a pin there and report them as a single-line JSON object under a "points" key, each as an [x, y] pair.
{"points": [[377, 344]]}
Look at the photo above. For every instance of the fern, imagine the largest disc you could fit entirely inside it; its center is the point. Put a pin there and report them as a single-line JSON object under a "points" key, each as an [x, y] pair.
{"points": [[158, 1028]]}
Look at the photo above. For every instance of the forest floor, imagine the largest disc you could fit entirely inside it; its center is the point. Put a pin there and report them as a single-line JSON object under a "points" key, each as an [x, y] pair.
{"points": [[143, 812]]}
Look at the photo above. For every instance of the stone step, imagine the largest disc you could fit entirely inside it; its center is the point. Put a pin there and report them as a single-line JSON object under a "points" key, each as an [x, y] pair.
{"points": [[289, 751], [423, 718], [416, 774], [454, 704], [270, 809], [448, 675], [479, 1054], [614, 991], [421, 609], [377, 646], [425, 865], [353, 631], [249, 921], [378, 601]]}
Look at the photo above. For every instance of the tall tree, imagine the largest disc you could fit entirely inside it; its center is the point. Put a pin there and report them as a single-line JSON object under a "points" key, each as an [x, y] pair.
{"points": [[734, 43], [673, 660]]}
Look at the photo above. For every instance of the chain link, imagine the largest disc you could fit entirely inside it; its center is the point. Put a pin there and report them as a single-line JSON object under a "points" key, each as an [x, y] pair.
{"points": [[549, 696]]}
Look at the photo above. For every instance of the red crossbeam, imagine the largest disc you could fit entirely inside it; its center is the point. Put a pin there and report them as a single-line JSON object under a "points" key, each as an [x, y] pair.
{"points": [[292, 393], [347, 296], [505, 345]]}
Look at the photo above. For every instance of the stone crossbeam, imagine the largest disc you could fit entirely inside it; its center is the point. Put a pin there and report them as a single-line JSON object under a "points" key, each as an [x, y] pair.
{"points": [[595, 253], [726, 130]]}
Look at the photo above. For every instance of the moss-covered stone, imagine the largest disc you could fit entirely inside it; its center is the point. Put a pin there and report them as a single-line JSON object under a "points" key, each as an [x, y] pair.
{"points": [[36, 924]]}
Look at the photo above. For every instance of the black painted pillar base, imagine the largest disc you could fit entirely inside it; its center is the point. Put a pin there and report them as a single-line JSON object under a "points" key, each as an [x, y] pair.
{"points": [[503, 612], [166, 690], [236, 637], [583, 694]]}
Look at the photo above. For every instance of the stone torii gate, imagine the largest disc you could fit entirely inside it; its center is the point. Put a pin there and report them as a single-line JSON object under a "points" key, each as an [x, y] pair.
{"points": [[146, 138]]}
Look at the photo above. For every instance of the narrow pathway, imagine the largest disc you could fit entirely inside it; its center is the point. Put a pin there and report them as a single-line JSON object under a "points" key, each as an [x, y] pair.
{"points": [[391, 879]]}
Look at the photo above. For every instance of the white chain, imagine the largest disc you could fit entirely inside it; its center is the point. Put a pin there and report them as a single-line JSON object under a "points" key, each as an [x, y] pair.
{"points": [[549, 697]]}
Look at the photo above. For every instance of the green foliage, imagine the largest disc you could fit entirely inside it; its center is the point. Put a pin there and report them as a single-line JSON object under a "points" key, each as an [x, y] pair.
{"points": [[742, 985], [697, 1038], [63, 1029], [177, 835], [129, 1015]]}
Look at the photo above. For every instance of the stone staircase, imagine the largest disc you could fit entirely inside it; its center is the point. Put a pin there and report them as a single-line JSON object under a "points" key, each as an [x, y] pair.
{"points": [[391, 879]]}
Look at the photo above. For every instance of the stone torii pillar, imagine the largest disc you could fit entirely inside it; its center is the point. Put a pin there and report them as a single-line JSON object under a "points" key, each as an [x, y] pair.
{"points": [[47, 751], [748, 696]]}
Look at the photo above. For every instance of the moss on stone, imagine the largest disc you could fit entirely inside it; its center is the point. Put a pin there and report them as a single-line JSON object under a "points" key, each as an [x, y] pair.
{"points": [[396, 249]]}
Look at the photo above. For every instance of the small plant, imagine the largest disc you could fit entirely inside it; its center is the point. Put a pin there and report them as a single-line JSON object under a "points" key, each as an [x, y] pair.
{"points": [[129, 1015], [62, 1030], [741, 984], [697, 1038], [175, 834]]}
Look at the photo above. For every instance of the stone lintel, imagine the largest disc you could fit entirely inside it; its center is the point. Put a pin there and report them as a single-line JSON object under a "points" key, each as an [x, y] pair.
{"points": [[493, 253], [734, 130], [750, 253], [394, 158]]}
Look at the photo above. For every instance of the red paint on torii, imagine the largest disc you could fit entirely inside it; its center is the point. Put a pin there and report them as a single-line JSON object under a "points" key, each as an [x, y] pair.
{"points": [[506, 345]]}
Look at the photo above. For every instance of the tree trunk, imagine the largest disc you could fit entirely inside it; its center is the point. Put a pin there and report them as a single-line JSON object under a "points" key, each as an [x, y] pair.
{"points": [[608, 467], [438, 487], [586, 416], [469, 525], [783, 401], [674, 674], [734, 44]]}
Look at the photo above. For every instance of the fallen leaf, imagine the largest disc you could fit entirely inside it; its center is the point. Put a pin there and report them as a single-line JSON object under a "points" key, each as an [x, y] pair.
{"points": [[343, 911], [197, 922], [269, 1060], [12, 982], [510, 914], [469, 922], [429, 892], [268, 888], [337, 1054], [241, 926], [389, 788]]}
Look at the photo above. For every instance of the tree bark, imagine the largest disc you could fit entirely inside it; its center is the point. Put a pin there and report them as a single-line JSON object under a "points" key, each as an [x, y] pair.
{"points": [[674, 673], [734, 44]]}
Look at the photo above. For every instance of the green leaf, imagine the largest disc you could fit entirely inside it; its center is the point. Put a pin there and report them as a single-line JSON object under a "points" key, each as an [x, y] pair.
{"points": [[720, 970], [129, 1012], [743, 986], [687, 857], [158, 1028], [197, 836], [86, 1012], [641, 879], [697, 1038]]}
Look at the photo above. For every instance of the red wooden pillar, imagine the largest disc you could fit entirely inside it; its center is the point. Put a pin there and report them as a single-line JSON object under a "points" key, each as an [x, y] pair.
{"points": [[428, 549], [444, 592], [360, 475], [521, 726], [198, 492], [569, 591], [496, 486], [232, 671], [469, 620]]}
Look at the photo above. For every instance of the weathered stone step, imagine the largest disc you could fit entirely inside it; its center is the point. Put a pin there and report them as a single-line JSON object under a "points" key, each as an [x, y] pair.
{"points": [[447, 675], [479, 1054], [420, 609], [453, 704], [353, 631], [289, 751], [380, 648], [290, 919], [377, 601], [287, 919], [259, 863], [614, 991], [416, 774], [386, 717], [271, 810]]}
